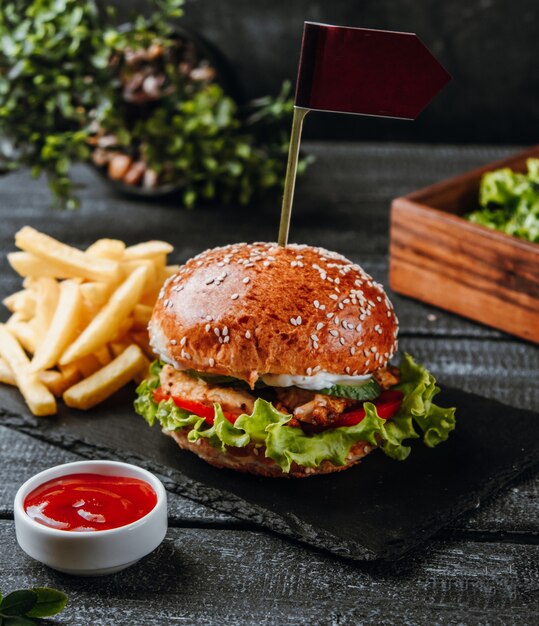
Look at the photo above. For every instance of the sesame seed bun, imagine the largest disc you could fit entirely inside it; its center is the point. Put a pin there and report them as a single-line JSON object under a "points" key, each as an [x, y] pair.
{"points": [[250, 309]]}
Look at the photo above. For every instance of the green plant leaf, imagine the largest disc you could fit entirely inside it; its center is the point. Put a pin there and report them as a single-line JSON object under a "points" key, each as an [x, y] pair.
{"points": [[49, 602], [18, 603], [17, 621]]}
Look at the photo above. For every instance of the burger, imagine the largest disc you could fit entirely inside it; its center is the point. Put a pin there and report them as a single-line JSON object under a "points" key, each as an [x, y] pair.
{"points": [[276, 361]]}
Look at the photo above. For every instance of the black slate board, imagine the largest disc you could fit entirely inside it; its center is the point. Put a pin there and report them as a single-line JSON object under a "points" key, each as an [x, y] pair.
{"points": [[380, 509]]}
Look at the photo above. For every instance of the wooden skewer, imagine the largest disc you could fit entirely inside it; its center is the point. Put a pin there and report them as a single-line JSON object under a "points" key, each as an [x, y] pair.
{"points": [[291, 171]]}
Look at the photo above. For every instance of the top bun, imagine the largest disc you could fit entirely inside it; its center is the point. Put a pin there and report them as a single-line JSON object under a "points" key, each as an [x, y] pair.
{"points": [[246, 310]]}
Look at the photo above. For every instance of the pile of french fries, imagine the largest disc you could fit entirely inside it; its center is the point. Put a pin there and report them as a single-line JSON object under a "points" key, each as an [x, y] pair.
{"points": [[77, 329]]}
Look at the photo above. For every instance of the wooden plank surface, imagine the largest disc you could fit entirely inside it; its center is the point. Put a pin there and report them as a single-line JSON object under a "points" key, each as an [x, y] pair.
{"points": [[210, 577]]}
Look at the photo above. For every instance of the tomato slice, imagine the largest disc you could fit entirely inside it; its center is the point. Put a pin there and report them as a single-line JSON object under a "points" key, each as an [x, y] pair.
{"points": [[194, 407], [387, 404]]}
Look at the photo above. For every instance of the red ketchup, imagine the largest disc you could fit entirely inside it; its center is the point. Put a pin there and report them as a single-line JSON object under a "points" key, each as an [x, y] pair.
{"points": [[90, 502]]}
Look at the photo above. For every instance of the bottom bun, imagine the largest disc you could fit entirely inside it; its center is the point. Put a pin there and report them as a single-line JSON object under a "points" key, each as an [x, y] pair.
{"points": [[253, 460]]}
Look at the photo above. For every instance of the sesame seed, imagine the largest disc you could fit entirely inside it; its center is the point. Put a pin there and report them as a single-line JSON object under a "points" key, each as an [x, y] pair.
{"points": [[220, 264], [334, 333], [209, 318], [298, 320], [317, 368], [293, 321], [316, 304], [362, 316], [212, 362], [309, 371], [225, 331], [344, 324], [246, 280], [366, 352], [329, 315], [389, 313], [367, 362], [226, 339], [182, 341], [379, 299], [210, 281], [346, 301], [234, 296], [173, 342], [333, 296], [352, 350], [315, 345], [347, 369], [341, 340], [217, 332], [314, 337], [322, 307], [247, 334], [373, 349], [337, 281], [320, 325], [207, 328]]}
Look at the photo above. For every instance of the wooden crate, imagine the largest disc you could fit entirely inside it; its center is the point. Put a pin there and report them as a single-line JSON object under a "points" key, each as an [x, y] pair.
{"points": [[440, 258]]}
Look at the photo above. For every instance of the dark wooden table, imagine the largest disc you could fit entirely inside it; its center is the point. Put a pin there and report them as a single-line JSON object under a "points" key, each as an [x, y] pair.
{"points": [[214, 569]]}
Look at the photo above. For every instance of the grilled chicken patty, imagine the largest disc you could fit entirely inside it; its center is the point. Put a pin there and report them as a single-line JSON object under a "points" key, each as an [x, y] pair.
{"points": [[308, 407]]}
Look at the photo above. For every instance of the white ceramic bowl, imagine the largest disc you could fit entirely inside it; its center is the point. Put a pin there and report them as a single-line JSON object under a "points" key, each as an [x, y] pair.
{"points": [[91, 553]]}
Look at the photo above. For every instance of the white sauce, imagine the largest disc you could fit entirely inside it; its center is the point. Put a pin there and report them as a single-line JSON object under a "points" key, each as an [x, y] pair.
{"points": [[322, 380]]}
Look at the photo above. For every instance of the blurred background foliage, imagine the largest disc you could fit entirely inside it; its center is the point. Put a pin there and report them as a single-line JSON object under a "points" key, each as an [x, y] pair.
{"points": [[143, 101]]}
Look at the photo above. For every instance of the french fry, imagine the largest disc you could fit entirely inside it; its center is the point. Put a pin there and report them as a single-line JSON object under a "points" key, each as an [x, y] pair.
{"points": [[141, 315], [96, 294], [24, 333], [23, 302], [106, 381], [38, 398], [147, 250], [86, 365], [117, 347], [62, 329], [128, 267], [105, 324], [58, 382], [31, 266], [92, 268], [107, 249], [103, 355], [6, 375], [82, 315], [47, 296], [124, 327]]}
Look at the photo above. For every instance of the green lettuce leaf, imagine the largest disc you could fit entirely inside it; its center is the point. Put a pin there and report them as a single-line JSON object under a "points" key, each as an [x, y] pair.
{"points": [[268, 427], [510, 202]]}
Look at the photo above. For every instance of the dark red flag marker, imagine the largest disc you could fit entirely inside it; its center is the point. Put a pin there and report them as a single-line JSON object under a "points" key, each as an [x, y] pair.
{"points": [[368, 72], [361, 71]]}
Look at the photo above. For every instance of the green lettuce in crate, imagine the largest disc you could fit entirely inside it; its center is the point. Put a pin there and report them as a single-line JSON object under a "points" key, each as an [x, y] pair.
{"points": [[510, 202]]}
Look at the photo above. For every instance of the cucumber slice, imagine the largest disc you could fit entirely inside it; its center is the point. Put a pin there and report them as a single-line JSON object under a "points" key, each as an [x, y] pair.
{"points": [[368, 391]]}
